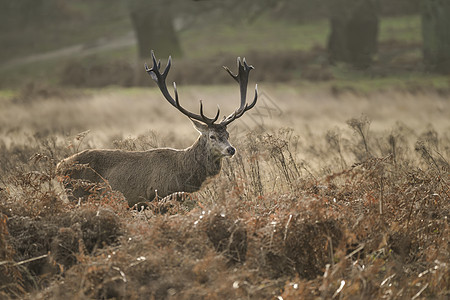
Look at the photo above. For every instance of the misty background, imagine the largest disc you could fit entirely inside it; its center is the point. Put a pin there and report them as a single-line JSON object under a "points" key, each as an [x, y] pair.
{"points": [[106, 42]]}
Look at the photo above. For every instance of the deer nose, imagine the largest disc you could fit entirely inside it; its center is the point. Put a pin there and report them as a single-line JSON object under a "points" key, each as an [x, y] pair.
{"points": [[231, 151]]}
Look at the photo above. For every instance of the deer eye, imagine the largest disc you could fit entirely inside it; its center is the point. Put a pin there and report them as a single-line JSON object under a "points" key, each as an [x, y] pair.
{"points": [[213, 137]]}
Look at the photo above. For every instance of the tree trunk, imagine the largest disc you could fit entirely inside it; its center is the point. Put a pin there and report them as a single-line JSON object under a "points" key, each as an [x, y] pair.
{"points": [[354, 31], [436, 35], [153, 25]]}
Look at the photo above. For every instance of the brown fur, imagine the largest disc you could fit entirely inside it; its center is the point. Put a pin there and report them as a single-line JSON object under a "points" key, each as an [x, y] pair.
{"points": [[143, 175]]}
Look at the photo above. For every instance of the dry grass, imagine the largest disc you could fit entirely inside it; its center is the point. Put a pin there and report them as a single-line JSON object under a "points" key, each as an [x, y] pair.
{"points": [[343, 205]]}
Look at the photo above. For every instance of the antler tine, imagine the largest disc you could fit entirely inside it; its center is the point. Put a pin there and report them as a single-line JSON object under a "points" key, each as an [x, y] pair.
{"points": [[206, 119], [242, 79], [160, 79], [231, 73]]}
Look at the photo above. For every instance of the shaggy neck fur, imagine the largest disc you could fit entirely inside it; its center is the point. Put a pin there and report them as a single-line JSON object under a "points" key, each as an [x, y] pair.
{"points": [[207, 162]]}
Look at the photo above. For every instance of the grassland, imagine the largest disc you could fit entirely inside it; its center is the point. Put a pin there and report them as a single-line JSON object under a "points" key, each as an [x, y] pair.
{"points": [[343, 195]]}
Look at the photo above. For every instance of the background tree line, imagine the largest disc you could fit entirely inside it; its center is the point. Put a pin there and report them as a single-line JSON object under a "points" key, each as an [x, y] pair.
{"points": [[354, 24]]}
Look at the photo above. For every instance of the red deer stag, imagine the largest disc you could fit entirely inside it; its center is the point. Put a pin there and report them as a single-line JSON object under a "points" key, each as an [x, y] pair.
{"points": [[143, 175]]}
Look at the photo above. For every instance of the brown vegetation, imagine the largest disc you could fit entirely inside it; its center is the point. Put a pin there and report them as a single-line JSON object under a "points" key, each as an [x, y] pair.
{"points": [[271, 225]]}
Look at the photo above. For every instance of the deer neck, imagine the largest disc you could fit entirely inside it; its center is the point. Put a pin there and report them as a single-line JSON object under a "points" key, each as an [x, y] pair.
{"points": [[203, 159]]}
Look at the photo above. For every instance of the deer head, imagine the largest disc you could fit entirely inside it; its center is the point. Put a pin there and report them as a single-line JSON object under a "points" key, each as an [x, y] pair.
{"points": [[216, 134]]}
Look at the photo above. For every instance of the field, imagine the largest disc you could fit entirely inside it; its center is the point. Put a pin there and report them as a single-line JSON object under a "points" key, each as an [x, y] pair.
{"points": [[343, 195], [339, 188]]}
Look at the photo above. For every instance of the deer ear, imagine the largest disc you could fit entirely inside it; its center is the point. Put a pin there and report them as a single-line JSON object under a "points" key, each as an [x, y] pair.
{"points": [[202, 128]]}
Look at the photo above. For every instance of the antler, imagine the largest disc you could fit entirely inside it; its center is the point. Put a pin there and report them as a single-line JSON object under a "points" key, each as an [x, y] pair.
{"points": [[242, 79], [160, 79]]}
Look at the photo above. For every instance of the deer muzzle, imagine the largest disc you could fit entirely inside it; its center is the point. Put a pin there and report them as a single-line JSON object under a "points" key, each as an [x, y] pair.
{"points": [[231, 151]]}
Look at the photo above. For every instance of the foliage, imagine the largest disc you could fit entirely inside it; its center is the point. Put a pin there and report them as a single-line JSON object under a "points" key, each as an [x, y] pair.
{"points": [[270, 225]]}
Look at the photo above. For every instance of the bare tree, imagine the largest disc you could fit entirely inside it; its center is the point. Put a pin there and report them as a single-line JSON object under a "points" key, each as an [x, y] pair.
{"points": [[154, 28], [436, 35], [144, 175], [354, 31]]}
